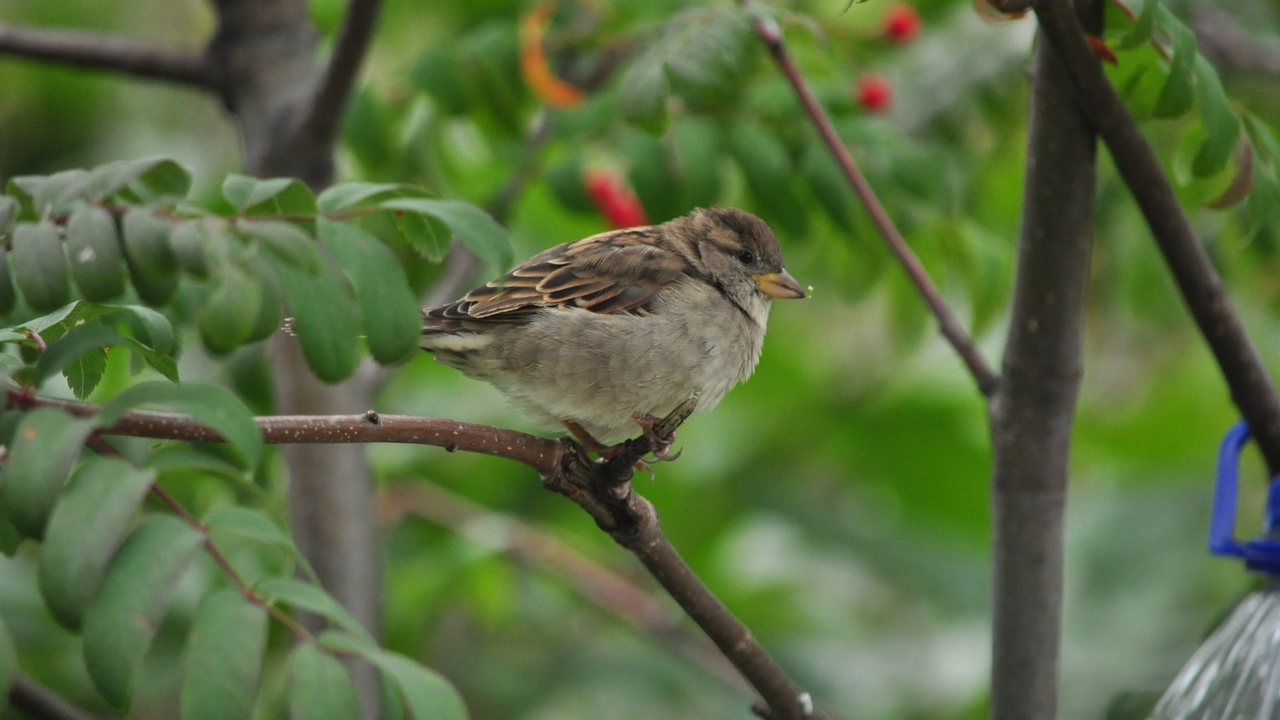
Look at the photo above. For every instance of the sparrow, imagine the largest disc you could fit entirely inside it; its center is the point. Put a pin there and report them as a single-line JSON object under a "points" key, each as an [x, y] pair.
{"points": [[616, 330]]}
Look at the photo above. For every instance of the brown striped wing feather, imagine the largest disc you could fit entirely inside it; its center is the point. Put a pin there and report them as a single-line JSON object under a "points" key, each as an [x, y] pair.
{"points": [[613, 272]]}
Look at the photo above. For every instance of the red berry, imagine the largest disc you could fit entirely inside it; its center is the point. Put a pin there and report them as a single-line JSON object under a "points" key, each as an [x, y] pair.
{"points": [[614, 199], [874, 93], [901, 23]]}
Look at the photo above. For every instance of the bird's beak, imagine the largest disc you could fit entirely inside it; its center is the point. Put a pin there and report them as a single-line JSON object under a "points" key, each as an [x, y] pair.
{"points": [[779, 285]]}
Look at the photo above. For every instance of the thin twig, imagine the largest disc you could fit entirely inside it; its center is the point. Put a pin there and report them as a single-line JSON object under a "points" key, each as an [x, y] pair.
{"points": [[1201, 287], [349, 52], [100, 51], [985, 377], [102, 447]]}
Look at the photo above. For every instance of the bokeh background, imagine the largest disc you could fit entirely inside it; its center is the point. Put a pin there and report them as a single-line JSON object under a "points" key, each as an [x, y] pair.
{"points": [[837, 502]]}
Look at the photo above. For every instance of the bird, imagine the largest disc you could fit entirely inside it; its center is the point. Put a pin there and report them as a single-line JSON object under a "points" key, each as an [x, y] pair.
{"points": [[613, 332]]}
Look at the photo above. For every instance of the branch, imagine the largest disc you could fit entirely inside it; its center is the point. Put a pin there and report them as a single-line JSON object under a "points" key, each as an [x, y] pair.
{"points": [[1202, 290], [99, 51], [602, 488], [538, 453], [349, 51], [1031, 414], [40, 703], [1230, 45], [950, 326]]}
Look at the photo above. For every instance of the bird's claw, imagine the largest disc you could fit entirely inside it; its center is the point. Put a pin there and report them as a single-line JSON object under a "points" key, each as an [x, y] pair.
{"points": [[659, 446]]}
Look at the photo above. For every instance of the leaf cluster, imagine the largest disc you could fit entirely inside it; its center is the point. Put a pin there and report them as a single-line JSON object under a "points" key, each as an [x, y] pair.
{"points": [[118, 255]]}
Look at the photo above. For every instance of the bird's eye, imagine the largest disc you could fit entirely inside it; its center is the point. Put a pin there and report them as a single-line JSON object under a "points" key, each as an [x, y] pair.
{"points": [[746, 257]]}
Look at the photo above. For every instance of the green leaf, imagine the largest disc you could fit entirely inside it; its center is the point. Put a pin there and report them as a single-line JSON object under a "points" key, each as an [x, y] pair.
{"points": [[279, 197], [44, 448], [1220, 121], [8, 296], [135, 593], [43, 323], [85, 372], [700, 147], [289, 243], [61, 191], [1141, 31], [706, 48], [229, 317], [324, 318], [354, 195], [440, 73], [145, 180], [8, 660], [320, 688], [249, 524], [268, 319], [8, 211], [473, 226], [91, 338], [428, 695], [93, 246], [10, 538], [1263, 201], [40, 265], [829, 185], [1179, 88], [651, 171], [23, 188], [150, 259], [309, 597], [564, 179], [212, 405], [199, 246], [389, 309], [149, 327], [224, 658], [642, 95], [766, 166], [84, 531]]}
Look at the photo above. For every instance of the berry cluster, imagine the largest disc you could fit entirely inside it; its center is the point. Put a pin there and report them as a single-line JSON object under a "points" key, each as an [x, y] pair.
{"points": [[900, 24], [613, 198]]}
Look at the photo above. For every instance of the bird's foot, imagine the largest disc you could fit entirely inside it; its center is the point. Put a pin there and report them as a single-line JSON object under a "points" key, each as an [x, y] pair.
{"points": [[588, 441], [661, 446]]}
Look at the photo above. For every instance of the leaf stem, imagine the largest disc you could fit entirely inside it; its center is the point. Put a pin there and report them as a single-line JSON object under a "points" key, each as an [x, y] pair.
{"points": [[985, 377]]}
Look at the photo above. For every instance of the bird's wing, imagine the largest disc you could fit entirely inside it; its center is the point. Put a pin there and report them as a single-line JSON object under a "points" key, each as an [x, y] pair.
{"points": [[613, 272]]}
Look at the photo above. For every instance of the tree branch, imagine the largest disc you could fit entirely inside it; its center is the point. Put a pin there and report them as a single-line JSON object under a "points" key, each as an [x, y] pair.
{"points": [[950, 326], [602, 488], [1229, 44], [538, 453], [349, 51], [1202, 290], [1031, 414], [98, 51]]}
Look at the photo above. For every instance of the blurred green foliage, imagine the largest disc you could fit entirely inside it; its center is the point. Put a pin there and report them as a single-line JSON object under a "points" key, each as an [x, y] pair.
{"points": [[836, 502]]}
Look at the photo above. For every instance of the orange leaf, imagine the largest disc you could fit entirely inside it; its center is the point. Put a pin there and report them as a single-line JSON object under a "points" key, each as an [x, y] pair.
{"points": [[533, 61], [1100, 49]]}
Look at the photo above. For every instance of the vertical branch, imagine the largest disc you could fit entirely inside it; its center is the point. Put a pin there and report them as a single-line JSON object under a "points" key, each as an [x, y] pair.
{"points": [[1031, 413], [1251, 386]]}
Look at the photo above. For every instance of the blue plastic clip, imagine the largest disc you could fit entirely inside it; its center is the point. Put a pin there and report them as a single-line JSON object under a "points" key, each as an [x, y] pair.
{"points": [[1261, 553]]}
